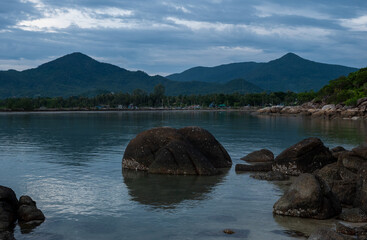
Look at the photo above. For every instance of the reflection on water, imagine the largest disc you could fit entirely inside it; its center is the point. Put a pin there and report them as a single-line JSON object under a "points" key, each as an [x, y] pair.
{"points": [[70, 164], [166, 191]]}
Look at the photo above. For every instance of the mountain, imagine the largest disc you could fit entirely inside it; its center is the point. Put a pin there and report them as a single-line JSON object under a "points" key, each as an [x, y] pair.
{"points": [[288, 73], [78, 74]]}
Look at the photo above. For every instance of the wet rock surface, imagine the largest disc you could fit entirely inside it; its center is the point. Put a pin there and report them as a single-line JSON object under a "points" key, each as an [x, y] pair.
{"points": [[259, 167], [29, 216], [271, 176], [263, 155], [304, 157], [328, 234], [8, 208], [310, 197], [11, 210], [186, 151], [355, 215]]}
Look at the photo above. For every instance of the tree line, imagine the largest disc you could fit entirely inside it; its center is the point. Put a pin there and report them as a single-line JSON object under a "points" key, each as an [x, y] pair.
{"points": [[140, 98]]}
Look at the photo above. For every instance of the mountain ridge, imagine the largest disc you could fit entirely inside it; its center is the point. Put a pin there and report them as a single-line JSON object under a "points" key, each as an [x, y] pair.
{"points": [[289, 72], [77, 73]]}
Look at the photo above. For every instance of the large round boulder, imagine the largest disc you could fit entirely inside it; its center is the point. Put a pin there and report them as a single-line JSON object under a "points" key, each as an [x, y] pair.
{"points": [[186, 151], [310, 197], [304, 157], [8, 208]]}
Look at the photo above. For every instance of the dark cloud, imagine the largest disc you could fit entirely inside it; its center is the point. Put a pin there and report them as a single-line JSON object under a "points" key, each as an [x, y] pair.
{"points": [[170, 36]]}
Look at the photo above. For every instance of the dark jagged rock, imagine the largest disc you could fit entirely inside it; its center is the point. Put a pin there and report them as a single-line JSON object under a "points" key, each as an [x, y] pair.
{"points": [[28, 213], [271, 176], [187, 151], [310, 197], [304, 157], [327, 234], [8, 208], [260, 167], [337, 151], [351, 160], [361, 188], [263, 155], [341, 181], [6, 235], [354, 215], [361, 150]]}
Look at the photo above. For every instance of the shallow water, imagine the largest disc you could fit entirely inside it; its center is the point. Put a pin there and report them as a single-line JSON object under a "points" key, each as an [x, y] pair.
{"points": [[70, 164]]}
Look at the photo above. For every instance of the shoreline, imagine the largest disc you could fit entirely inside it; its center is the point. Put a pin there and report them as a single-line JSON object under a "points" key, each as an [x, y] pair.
{"points": [[251, 110]]}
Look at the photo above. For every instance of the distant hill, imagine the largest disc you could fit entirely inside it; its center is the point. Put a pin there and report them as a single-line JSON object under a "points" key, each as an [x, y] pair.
{"points": [[78, 74], [289, 72]]}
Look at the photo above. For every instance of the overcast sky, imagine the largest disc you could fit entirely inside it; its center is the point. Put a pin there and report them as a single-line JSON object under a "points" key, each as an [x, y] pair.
{"points": [[162, 37]]}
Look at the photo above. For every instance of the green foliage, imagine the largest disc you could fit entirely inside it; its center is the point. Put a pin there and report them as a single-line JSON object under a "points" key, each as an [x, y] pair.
{"points": [[345, 90], [141, 98]]}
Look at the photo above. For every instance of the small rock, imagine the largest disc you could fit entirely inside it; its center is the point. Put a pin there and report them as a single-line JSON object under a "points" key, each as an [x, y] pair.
{"points": [[228, 231], [28, 211], [263, 155], [271, 176], [260, 167]]}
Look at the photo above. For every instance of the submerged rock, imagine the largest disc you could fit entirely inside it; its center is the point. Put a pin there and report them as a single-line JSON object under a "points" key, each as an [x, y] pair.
{"points": [[8, 208], [327, 234], [187, 151], [263, 155], [310, 197], [304, 157], [271, 176]]}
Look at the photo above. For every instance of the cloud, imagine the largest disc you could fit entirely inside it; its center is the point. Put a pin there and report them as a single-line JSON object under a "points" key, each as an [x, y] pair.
{"points": [[62, 18], [171, 35], [355, 24], [270, 9]]}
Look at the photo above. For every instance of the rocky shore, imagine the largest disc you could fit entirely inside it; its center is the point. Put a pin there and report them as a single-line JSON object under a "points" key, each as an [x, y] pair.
{"points": [[329, 184], [24, 211], [321, 110]]}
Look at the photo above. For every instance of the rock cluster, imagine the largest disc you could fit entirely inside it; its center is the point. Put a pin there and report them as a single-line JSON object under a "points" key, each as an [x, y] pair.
{"points": [[310, 197], [304, 157], [11, 210], [185, 151], [348, 177], [328, 111]]}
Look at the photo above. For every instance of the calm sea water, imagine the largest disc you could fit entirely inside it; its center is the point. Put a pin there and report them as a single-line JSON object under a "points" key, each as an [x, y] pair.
{"points": [[70, 164]]}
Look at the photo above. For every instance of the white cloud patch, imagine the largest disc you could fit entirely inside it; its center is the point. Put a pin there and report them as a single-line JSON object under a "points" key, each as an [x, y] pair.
{"points": [[54, 19], [279, 31], [355, 24], [269, 10], [177, 7]]}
